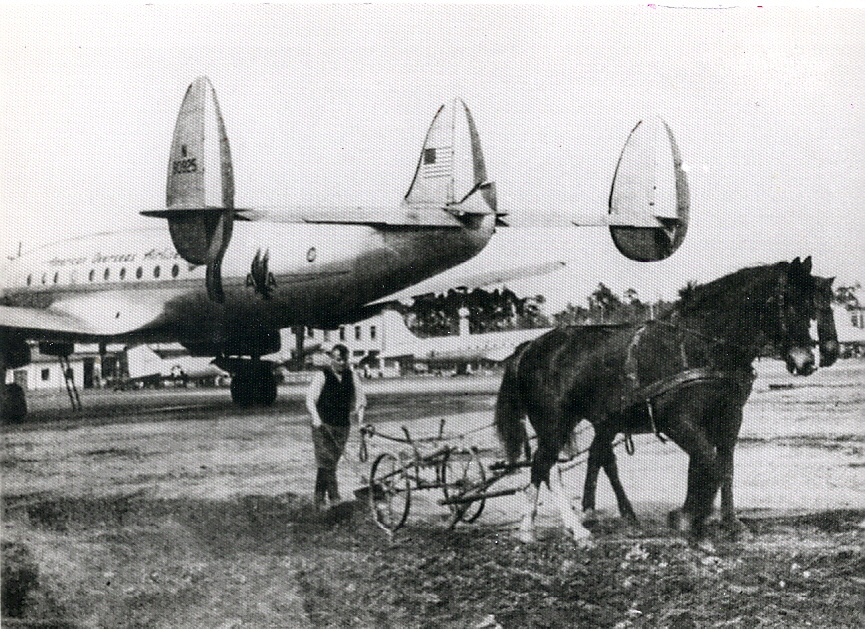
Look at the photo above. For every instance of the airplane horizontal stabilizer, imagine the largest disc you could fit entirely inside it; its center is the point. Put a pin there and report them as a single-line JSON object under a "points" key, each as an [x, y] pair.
{"points": [[414, 216], [465, 276]]}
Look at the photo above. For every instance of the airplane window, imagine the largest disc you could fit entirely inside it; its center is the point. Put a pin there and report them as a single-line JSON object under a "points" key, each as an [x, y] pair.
{"points": [[56, 277], [107, 274], [138, 273], [123, 273], [156, 271], [72, 277], [29, 280], [44, 277], [372, 332], [91, 275], [175, 270]]}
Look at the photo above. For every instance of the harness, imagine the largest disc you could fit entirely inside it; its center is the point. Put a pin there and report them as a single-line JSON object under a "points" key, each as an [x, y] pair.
{"points": [[638, 393]]}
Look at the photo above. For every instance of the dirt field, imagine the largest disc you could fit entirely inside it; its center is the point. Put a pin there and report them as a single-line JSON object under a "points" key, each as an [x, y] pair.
{"points": [[173, 509]]}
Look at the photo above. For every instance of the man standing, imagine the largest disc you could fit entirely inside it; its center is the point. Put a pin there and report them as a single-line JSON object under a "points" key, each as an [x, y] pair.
{"points": [[334, 393]]}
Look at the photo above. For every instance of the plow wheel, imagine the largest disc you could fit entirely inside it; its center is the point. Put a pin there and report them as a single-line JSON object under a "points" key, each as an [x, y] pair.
{"points": [[461, 474], [389, 492]]}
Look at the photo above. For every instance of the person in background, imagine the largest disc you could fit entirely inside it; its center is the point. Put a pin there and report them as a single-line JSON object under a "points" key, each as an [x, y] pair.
{"points": [[334, 394]]}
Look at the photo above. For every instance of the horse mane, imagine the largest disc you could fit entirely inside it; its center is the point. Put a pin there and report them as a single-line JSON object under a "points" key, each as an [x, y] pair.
{"points": [[736, 288]]}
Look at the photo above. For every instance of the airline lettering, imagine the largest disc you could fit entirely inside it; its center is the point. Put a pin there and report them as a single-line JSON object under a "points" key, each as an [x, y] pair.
{"points": [[161, 254], [114, 257], [187, 165], [66, 261]]}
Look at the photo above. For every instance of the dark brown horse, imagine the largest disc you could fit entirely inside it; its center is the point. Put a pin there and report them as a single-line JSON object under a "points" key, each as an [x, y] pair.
{"points": [[685, 375], [829, 352]]}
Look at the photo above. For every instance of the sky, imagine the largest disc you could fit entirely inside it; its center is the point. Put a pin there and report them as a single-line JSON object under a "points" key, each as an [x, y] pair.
{"points": [[329, 104]]}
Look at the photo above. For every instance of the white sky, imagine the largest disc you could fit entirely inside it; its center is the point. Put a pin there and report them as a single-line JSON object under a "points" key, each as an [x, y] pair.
{"points": [[329, 104]]}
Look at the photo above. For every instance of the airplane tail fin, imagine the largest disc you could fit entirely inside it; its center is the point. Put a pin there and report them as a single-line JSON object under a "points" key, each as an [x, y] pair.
{"points": [[451, 172], [143, 362], [395, 332], [199, 195], [649, 199]]}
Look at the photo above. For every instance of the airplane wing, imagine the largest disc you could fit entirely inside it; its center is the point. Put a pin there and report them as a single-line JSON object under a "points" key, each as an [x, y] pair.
{"points": [[468, 275], [85, 316], [39, 320]]}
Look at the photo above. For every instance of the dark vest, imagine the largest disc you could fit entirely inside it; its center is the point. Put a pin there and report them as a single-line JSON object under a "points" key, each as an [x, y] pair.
{"points": [[335, 402]]}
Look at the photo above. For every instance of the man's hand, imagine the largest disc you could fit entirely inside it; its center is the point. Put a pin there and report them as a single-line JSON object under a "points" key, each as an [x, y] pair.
{"points": [[316, 421]]}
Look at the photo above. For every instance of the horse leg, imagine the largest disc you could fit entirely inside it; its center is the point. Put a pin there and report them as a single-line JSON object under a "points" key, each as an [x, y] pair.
{"points": [[593, 467], [704, 476], [601, 455], [734, 526], [611, 469], [527, 522], [542, 461], [570, 518], [735, 529]]}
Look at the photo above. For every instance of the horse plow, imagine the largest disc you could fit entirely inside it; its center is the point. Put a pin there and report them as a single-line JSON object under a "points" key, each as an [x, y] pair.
{"points": [[436, 463]]}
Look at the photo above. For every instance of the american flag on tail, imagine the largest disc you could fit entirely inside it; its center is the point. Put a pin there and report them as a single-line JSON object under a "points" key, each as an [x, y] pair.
{"points": [[437, 162]]}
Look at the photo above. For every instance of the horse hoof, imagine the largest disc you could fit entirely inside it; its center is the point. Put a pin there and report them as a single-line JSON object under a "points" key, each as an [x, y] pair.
{"points": [[584, 543], [705, 546], [590, 517], [528, 537], [679, 520], [737, 531]]}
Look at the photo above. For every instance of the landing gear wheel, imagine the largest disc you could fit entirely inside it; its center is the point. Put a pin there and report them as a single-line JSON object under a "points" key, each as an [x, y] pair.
{"points": [[14, 404], [462, 473], [266, 389], [253, 385], [242, 389], [389, 492]]}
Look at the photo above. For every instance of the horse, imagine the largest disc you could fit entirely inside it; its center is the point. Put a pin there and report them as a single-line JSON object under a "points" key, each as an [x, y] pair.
{"points": [[830, 349], [686, 375]]}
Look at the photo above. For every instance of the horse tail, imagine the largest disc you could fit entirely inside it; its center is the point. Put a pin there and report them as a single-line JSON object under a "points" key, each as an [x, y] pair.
{"points": [[510, 411]]}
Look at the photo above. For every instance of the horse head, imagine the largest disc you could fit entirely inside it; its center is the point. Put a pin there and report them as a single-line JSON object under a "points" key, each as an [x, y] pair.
{"points": [[795, 302], [826, 333]]}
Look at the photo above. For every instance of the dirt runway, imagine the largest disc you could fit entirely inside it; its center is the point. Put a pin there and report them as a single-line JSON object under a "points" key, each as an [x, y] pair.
{"points": [[171, 508]]}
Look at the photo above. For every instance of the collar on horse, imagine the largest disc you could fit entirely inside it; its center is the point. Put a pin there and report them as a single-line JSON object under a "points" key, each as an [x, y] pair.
{"points": [[688, 376]]}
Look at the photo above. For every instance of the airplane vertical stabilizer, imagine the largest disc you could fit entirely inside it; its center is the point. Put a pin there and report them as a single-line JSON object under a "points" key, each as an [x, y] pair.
{"points": [[649, 198], [451, 165], [199, 194], [199, 166], [396, 334]]}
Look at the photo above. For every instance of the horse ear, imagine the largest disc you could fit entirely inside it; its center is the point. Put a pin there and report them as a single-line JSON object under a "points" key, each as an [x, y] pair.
{"points": [[806, 265]]}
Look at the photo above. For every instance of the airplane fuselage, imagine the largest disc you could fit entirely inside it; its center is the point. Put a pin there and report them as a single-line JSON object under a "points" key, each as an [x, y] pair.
{"points": [[134, 286]]}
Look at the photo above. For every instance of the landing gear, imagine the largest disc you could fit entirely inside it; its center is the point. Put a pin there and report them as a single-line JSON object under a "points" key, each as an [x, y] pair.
{"points": [[253, 384]]}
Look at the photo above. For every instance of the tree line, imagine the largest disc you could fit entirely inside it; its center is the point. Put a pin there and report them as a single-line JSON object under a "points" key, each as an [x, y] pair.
{"points": [[501, 309]]}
